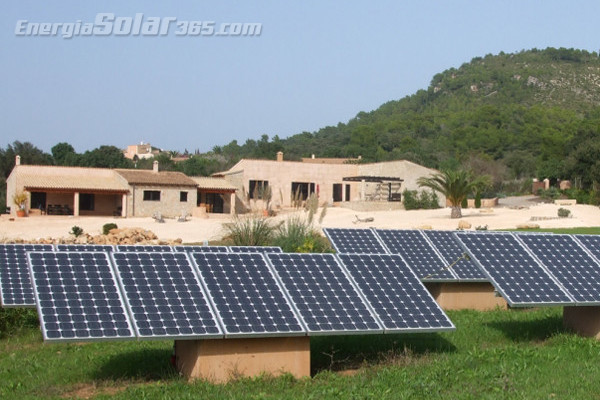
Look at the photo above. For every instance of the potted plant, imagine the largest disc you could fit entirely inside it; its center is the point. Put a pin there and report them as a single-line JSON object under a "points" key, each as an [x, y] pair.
{"points": [[20, 199]]}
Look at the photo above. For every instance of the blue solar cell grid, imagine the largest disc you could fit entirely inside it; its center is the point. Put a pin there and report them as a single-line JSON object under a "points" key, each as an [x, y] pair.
{"points": [[591, 243], [203, 249], [255, 249], [144, 248], [323, 294], [396, 295], [85, 247], [246, 296], [165, 296], [448, 246], [78, 297], [15, 280], [363, 241], [518, 276], [576, 270], [418, 253]]}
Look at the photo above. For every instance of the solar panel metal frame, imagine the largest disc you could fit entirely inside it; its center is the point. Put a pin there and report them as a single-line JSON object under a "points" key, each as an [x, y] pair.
{"points": [[329, 233], [129, 306], [255, 249], [524, 239], [499, 288], [135, 248], [202, 249], [457, 268], [81, 339], [410, 274], [85, 247], [19, 272], [273, 275], [345, 273], [434, 275], [586, 243]]}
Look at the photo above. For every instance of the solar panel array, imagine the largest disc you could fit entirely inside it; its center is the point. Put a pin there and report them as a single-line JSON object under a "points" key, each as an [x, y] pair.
{"points": [[144, 247], [85, 247], [451, 251], [591, 243], [15, 281], [255, 249], [355, 241], [203, 249]]}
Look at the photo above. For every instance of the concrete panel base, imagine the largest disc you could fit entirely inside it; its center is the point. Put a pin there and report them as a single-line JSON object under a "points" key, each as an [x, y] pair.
{"points": [[583, 320], [220, 360], [465, 295]]}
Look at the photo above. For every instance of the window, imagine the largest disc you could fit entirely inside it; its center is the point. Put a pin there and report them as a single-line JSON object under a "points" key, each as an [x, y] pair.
{"points": [[301, 190], [257, 189], [151, 195], [183, 197], [86, 202]]}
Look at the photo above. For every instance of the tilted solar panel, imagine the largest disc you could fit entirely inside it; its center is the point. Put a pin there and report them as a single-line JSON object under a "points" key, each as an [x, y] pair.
{"points": [[144, 248], [418, 253], [78, 297], [323, 294], [255, 249], [246, 296], [84, 247], [517, 275], [449, 248], [591, 243], [203, 249], [395, 293], [15, 279], [569, 263], [165, 296], [363, 241]]}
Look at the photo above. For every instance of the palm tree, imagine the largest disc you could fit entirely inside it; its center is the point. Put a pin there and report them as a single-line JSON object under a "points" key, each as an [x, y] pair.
{"points": [[456, 186]]}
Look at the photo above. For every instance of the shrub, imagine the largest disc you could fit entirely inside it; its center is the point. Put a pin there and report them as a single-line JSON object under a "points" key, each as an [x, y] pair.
{"points": [[106, 228], [563, 213], [414, 200], [296, 234], [549, 194], [14, 319], [76, 231], [477, 200], [250, 231]]}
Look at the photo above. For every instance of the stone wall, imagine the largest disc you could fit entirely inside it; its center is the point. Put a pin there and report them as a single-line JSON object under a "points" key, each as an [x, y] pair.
{"points": [[169, 205]]}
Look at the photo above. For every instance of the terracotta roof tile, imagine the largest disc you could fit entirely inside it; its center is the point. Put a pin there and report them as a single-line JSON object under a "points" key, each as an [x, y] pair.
{"points": [[162, 178]]}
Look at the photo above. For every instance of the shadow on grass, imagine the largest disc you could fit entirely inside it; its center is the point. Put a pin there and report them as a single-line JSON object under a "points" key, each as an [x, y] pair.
{"points": [[534, 330], [351, 351], [141, 365]]}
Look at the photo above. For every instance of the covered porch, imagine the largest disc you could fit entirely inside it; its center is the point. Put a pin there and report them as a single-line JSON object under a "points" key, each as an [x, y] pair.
{"points": [[378, 188], [85, 202], [215, 195]]}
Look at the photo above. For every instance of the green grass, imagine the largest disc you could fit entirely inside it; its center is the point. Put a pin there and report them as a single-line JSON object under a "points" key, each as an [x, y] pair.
{"points": [[592, 230], [496, 354]]}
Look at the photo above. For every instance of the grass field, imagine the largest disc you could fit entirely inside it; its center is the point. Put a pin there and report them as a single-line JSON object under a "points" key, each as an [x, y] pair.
{"points": [[594, 230], [496, 354]]}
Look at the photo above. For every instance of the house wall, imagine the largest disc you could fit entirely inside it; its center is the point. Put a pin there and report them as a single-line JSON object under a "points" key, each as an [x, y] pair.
{"points": [[104, 204], [168, 206]]}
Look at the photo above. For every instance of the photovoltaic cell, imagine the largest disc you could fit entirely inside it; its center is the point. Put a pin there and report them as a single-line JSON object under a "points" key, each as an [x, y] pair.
{"points": [[203, 249], [165, 296], [418, 253], [513, 271], [449, 248], [84, 247], [246, 296], [323, 294], [569, 263], [395, 293], [144, 248], [591, 243], [363, 241], [255, 249], [15, 280], [77, 297]]}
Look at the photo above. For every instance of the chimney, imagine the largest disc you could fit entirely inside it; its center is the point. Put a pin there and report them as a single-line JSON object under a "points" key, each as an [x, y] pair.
{"points": [[155, 167], [279, 156], [312, 156], [18, 160]]}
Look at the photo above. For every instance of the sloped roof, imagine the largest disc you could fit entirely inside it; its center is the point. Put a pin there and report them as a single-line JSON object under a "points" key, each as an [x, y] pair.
{"points": [[206, 182], [34, 177], [162, 178]]}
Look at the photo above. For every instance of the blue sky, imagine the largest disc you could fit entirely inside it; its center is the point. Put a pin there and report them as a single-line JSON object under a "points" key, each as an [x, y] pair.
{"points": [[316, 63]]}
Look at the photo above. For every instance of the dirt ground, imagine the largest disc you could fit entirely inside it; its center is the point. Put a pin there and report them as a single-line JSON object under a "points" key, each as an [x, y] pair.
{"points": [[510, 213]]}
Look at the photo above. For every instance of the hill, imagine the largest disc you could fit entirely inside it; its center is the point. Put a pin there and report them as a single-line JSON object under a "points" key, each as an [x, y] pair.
{"points": [[532, 113]]}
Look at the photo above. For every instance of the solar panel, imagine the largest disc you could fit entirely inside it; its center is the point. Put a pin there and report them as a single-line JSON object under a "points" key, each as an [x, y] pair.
{"points": [[355, 241], [85, 247], [78, 297], [145, 248], [165, 296], [323, 294], [591, 243], [15, 281], [246, 296], [518, 276], [576, 270], [203, 249], [418, 253], [448, 246], [394, 292], [255, 249]]}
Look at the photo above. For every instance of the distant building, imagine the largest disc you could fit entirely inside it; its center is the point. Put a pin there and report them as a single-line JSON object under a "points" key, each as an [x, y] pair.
{"points": [[139, 151]]}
